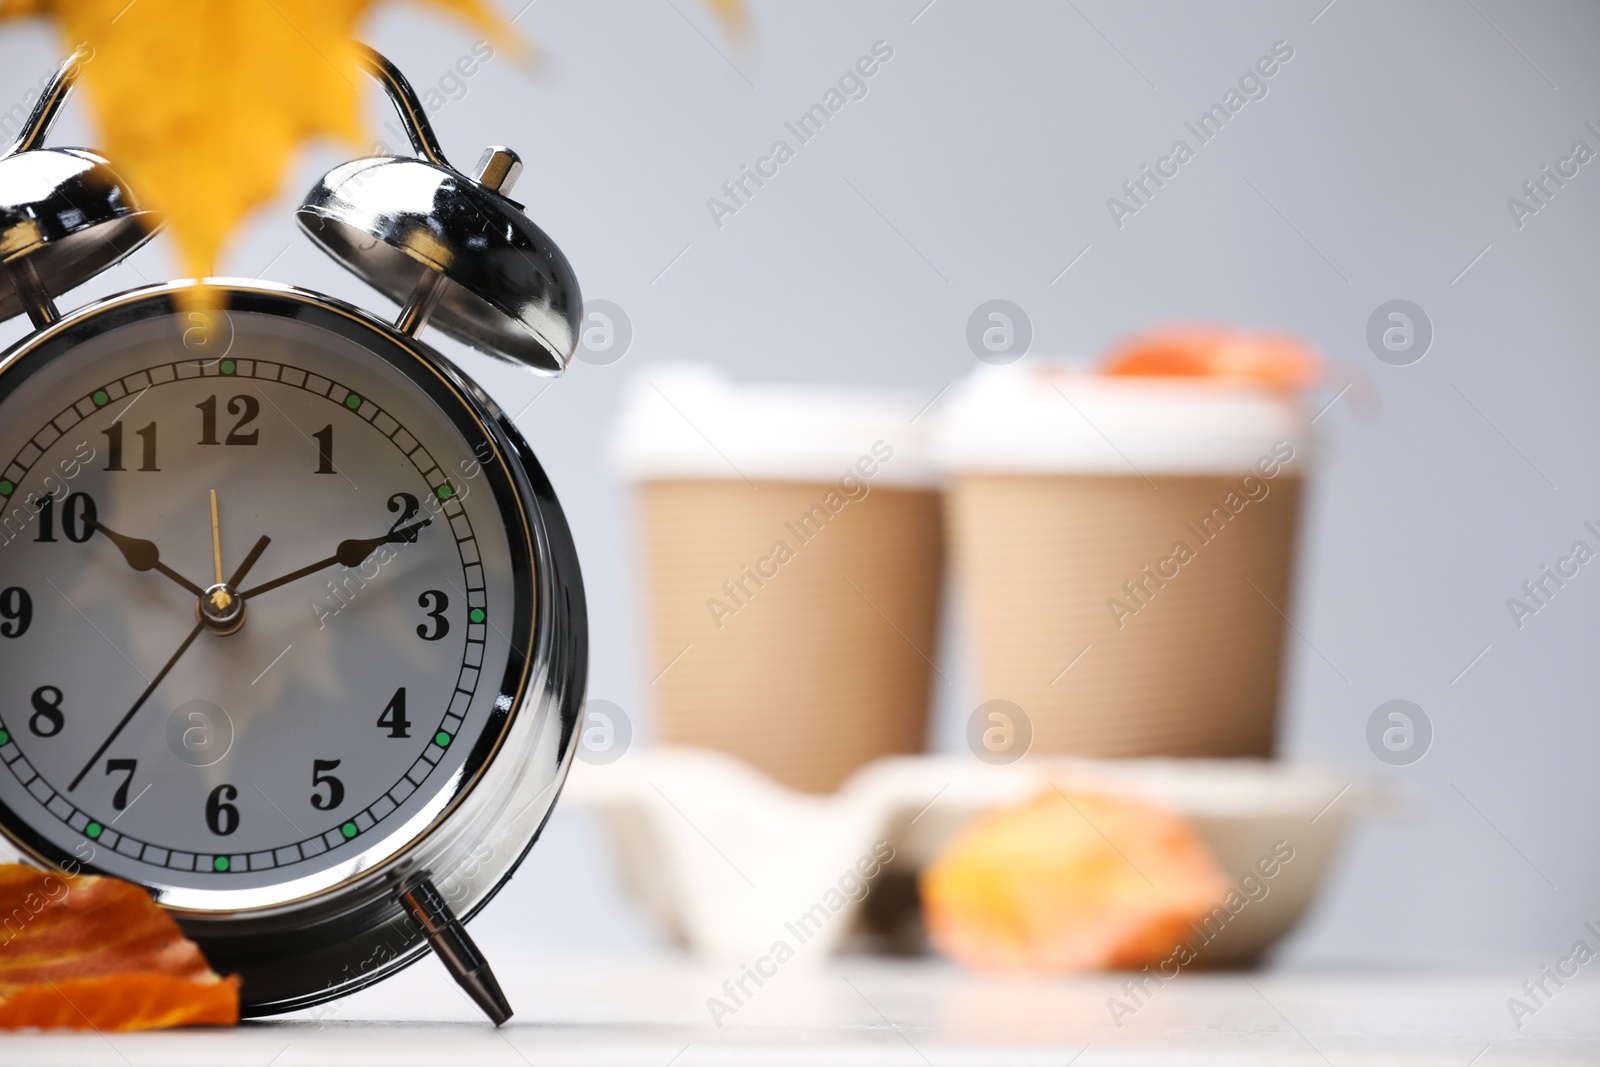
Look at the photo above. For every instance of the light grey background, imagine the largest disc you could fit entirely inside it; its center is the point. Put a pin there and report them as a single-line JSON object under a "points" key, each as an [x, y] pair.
{"points": [[978, 166]]}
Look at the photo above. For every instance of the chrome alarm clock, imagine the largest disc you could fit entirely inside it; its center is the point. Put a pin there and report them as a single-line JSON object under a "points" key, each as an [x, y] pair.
{"points": [[292, 631]]}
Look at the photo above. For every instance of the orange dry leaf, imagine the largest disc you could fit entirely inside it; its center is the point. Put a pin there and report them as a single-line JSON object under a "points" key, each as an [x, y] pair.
{"points": [[1074, 883], [83, 952], [1276, 360]]}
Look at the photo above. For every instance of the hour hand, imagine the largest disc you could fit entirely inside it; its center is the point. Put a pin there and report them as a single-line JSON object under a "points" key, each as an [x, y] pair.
{"points": [[143, 555], [351, 553]]}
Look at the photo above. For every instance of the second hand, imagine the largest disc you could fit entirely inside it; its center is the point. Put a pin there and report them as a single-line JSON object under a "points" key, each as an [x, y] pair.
{"points": [[137, 704], [233, 583], [216, 539]]}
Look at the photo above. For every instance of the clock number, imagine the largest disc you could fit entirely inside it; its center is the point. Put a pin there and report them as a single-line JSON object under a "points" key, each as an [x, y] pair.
{"points": [[114, 447], [47, 519], [222, 818], [441, 603], [324, 438], [407, 506], [16, 607], [119, 799], [147, 438], [78, 516], [208, 421], [246, 407], [335, 795], [394, 718], [47, 719]]}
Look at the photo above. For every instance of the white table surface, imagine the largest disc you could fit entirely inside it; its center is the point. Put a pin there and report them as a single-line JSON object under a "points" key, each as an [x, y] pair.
{"points": [[652, 1012]]}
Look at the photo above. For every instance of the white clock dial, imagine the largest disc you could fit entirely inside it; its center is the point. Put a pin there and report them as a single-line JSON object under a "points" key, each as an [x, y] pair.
{"points": [[333, 725]]}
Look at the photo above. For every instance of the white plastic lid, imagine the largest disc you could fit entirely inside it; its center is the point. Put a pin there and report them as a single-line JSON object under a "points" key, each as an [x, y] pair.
{"points": [[687, 421], [1043, 416]]}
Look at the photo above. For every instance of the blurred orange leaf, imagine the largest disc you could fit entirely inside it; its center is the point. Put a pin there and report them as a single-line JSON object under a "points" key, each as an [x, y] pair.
{"points": [[732, 14], [97, 953], [1275, 360], [1041, 886]]}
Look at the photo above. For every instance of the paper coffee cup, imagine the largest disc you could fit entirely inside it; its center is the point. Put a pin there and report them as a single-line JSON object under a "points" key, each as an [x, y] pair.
{"points": [[791, 543], [1123, 548]]}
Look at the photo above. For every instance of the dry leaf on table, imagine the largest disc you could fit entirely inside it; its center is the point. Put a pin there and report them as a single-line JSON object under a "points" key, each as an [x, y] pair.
{"points": [[83, 952]]}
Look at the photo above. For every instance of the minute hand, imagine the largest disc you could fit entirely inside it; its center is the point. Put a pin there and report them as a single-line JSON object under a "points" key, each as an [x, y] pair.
{"points": [[350, 553]]}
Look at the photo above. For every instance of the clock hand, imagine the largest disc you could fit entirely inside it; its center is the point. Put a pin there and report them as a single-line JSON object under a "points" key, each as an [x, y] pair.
{"points": [[137, 704], [238, 576], [351, 553], [216, 538], [143, 555], [249, 561], [222, 594]]}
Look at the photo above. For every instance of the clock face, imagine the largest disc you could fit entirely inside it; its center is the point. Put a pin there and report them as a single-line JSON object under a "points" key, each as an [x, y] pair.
{"points": [[270, 705]]}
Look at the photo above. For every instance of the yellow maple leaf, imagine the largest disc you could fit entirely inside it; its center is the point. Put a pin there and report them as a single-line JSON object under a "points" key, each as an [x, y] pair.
{"points": [[202, 104]]}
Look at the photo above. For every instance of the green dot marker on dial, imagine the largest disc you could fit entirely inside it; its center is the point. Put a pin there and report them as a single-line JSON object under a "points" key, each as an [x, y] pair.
{"points": [[6, 488], [444, 492], [476, 615], [228, 366], [349, 830], [101, 398], [352, 401], [441, 739], [5, 737], [94, 829], [220, 864]]}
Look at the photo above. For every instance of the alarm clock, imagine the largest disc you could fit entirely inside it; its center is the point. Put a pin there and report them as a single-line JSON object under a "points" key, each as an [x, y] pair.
{"points": [[292, 631]]}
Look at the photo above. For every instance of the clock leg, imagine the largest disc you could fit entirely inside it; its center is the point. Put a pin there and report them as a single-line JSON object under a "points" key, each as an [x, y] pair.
{"points": [[456, 950]]}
